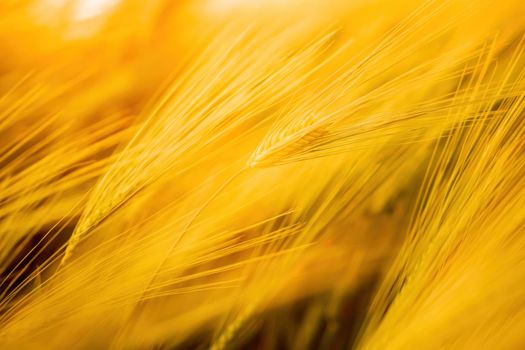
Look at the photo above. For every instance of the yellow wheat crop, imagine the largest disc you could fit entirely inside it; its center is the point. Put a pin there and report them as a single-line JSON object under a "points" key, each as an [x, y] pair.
{"points": [[262, 174]]}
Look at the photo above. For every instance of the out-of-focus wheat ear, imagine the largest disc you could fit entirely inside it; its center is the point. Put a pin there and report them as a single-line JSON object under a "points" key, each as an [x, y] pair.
{"points": [[70, 248], [229, 333], [91, 221]]}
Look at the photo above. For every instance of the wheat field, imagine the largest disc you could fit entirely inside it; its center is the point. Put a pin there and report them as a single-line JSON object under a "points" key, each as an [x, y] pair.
{"points": [[262, 174]]}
